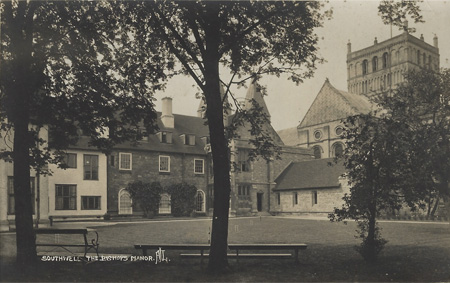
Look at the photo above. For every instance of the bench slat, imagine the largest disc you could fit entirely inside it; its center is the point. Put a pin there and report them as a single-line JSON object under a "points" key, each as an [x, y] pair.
{"points": [[61, 231]]}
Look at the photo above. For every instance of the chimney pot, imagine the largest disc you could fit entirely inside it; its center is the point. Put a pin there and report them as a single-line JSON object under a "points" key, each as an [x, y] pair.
{"points": [[167, 117]]}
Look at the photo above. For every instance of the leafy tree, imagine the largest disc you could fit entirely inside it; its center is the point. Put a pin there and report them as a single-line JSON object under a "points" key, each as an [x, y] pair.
{"points": [[70, 65], [373, 160], [422, 106], [245, 38], [147, 195], [395, 13], [182, 198]]}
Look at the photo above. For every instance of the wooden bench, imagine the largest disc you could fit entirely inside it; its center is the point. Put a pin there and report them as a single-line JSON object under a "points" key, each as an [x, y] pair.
{"points": [[87, 245], [265, 247], [199, 247], [235, 247]]}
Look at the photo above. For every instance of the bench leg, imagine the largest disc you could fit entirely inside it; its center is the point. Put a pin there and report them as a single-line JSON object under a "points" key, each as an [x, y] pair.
{"points": [[201, 256], [237, 256]]}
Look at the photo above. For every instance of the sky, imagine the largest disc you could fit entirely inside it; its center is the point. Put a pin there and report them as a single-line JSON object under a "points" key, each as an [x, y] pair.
{"points": [[354, 21]]}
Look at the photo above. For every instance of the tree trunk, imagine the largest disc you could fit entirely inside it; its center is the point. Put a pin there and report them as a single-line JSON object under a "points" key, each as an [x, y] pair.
{"points": [[19, 95], [220, 152]]}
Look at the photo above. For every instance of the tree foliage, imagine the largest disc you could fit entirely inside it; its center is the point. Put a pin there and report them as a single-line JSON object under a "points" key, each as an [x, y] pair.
{"points": [[70, 65], [422, 106], [182, 197], [246, 39], [147, 196], [397, 12]]}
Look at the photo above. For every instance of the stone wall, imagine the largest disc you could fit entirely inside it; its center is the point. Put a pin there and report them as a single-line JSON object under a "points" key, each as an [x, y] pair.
{"points": [[145, 168]]}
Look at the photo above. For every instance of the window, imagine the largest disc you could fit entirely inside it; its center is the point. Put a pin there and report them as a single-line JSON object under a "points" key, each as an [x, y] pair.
{"points": [[164, 204], [244, 191], [66, 197], [374, 63], [11, 200], [90, 167], [385, 60], [125, 202], [314, 197], [165, 137], [188, 139], [317, 152], [338, 149], [339, 130], [418, 57], [243, 160], [295, 199], [164, 163], [70, 160], [125, 161], [200, 201], [317, 135], [365, 67], [199, 167], [112, 160], [278, 198], [90, 202]]}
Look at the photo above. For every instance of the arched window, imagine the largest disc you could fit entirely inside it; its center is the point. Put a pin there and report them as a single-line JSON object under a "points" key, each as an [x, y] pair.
{"points": [[385, 60], [374, 63], [200, 201], [317, 152], [365, 67], [125, 202], [418, 57], [164, 204], [338, 149]]}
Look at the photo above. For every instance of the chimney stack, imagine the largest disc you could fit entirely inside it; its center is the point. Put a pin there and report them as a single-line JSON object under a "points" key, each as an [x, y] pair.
{"points": [[166, 116], [421, 37], [435, 41]]}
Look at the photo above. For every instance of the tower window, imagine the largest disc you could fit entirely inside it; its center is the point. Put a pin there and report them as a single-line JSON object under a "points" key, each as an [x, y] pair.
{"points": [[365, 67], [374, 63]]}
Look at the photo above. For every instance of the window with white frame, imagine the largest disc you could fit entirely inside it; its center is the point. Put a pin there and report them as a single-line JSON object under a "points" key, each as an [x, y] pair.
{"points": [[164, 163], [200, 201], [70, 160], [90, 167], [125, 161], [11, 198], [90, 202], [199, 166], [65, 197]]}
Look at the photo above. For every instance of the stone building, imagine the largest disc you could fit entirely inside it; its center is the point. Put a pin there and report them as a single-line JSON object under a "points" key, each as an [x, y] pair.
{"points": [[311, 187], [381, 67], [173, 155]]}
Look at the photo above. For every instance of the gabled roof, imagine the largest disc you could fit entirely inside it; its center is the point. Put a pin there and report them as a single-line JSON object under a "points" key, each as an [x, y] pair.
{"points": [[183, 125], [289, 136], [332, 104], [312, 174], [254, 93]]}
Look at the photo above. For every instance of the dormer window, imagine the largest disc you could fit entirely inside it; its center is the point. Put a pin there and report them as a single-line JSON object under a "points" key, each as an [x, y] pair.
{"points": [[188, 139], [165, 137], [206, 140]]}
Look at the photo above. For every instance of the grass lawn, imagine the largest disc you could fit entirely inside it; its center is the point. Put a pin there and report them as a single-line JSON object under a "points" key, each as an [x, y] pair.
{"points": [[415, 252]]}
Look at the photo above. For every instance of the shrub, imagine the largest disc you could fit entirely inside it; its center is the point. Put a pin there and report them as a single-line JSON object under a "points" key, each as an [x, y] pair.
{"points": [[369, 248], [146, 195], [182, 199]]}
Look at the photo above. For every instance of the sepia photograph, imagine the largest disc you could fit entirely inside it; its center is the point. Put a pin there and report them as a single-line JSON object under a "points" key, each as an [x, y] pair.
{"points": [[224, 141]]}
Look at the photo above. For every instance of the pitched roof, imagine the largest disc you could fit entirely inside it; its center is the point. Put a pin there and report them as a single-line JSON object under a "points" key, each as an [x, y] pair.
{"points": [[311, 174], [254, 93], [289, 136], [183, 125], [332, 104]]}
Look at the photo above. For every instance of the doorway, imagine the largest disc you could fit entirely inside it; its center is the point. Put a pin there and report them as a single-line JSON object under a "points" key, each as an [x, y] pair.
{"points": [[259, 201]]}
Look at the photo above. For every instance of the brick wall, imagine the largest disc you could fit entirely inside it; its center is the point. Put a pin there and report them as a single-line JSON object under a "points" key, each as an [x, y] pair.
{"points": [[145, 168]]}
